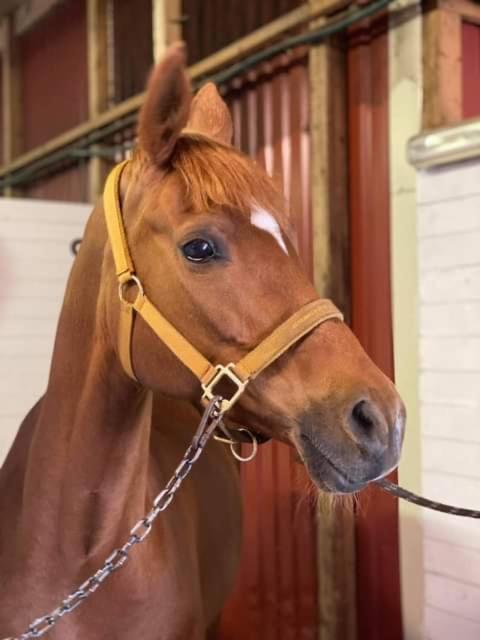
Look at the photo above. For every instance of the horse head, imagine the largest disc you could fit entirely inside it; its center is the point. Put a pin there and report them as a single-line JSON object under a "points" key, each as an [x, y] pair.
{"points": [[213, 246]]}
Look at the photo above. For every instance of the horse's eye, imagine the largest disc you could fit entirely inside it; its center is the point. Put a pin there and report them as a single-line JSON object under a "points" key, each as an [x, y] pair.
{"points": [[199, 250]]}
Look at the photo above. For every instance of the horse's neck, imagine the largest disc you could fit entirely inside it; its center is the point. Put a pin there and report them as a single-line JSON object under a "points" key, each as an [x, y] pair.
{"points": [[88, 460]]}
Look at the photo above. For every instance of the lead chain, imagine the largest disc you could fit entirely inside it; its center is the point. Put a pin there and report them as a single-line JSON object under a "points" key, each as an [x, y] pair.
{"points": [[117, 559]]}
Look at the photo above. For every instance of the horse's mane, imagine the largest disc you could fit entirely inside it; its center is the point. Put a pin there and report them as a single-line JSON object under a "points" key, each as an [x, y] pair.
{"points": [[217, 176]]}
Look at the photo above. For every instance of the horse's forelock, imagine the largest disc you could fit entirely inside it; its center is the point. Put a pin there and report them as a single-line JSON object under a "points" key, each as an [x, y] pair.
{"points": [[217, 176]]}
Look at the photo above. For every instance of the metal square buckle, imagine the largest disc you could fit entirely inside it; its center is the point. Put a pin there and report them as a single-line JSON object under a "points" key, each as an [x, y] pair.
{"points": [[221, 372]]}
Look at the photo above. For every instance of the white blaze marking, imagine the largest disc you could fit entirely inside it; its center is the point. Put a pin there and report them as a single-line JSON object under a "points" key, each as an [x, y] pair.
{"points": [[264, 220]]}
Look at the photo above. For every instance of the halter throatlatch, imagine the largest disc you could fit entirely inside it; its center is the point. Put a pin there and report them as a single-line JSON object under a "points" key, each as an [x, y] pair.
{"points": [[237, 374]]}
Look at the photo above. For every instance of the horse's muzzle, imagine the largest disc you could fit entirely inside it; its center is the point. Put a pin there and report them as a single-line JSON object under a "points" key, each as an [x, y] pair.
{"points": [[343, 453]]}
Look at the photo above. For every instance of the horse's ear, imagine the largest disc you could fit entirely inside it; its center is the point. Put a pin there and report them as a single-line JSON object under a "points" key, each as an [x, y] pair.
{"points": [[165, 110], [210, 115]]}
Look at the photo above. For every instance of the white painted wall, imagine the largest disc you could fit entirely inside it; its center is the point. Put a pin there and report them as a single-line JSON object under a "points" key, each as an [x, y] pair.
{"points": [[35, 260], [449, 289]]}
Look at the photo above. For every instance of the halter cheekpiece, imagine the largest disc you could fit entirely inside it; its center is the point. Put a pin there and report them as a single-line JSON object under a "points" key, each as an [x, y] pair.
{"points": [[238, 374]]}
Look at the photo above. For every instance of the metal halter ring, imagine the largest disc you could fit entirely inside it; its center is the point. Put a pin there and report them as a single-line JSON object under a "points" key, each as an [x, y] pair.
{"points": [[253, 453], [122, 286]]}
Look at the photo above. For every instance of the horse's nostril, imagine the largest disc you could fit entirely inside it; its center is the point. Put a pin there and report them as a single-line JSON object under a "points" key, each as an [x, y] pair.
{"points": [[363, 415]]}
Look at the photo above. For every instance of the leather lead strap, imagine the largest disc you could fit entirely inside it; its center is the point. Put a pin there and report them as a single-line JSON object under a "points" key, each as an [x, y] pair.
{"points": [[277, 343]]}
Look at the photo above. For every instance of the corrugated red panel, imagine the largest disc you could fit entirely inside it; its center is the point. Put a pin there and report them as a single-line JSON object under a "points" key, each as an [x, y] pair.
{"points": [[471, 69], [133, 46], [70, 185], [378, 572], [210, 25], [54, 74], [276, 595]]}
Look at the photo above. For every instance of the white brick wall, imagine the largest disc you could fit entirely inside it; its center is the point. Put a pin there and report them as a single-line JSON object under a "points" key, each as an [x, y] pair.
{"points": [[35, 260], [449, 284]]}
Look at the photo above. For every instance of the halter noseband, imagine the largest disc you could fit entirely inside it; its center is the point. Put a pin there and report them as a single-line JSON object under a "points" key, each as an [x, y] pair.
{"points": [[238, 374]]}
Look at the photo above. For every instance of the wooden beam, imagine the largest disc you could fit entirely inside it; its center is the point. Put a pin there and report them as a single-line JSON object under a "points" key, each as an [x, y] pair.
{"points": [[305, 14], [97, 28], [442, 67], [469, 11], [252, 42], [28, 13], [8, 6], [97, 57], [11, 95], [228, 55], [335, 529], [167, 27]]}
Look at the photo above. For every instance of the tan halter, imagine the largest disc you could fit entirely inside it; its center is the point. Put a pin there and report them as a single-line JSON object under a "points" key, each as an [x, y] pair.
{"points": [[209, 375]]}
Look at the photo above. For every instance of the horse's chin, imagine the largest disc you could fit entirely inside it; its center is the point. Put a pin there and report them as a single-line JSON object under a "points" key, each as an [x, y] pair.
{"points": [[330, 480], [333, 475]]}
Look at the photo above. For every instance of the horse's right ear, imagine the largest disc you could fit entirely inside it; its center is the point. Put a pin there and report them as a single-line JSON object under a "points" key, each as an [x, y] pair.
{"points": [[166, 107]]}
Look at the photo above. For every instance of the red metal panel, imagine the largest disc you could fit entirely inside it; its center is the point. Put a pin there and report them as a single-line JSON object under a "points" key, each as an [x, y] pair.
{"points": [[471, 69], [54, 85], [378, 581], [70, 185], [276, 594]]}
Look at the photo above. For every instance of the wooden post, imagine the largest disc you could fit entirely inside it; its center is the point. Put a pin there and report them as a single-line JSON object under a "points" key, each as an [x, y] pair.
{"points": [[97, 82], [166, 25], [335, 528], [442, 65], [11, 95]]}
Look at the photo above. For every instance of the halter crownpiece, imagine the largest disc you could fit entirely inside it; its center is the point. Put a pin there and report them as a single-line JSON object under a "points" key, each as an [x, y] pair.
{"points": [[237, 374]]}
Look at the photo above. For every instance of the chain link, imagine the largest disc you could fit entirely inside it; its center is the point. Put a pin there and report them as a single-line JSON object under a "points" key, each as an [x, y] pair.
{"points": [[117, 559]]}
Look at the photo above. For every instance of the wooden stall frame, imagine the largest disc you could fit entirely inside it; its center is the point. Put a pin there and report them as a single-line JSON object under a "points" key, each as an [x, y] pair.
{"points": [[98, 82], [166, 23], [27, 14], [232, 53], [11, 94]]}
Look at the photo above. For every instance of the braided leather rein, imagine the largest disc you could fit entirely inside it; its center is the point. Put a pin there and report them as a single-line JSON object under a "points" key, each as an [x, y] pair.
{"points": [[399, 492]]}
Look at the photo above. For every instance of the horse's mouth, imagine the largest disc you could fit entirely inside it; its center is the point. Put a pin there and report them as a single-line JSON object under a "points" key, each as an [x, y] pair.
{"points": [[326, 472]]}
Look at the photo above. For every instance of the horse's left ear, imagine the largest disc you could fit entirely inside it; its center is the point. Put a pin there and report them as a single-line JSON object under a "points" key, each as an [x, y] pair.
{"points": [[210, 115], [165, 110]]}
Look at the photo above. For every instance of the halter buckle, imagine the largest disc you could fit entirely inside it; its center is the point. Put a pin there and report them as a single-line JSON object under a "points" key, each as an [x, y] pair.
{"points": [[223, 372]]}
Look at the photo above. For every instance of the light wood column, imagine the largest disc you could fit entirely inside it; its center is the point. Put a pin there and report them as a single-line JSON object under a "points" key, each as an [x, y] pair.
{"points": [[12, 141], [442, 65], [335, 525], [97, 36], [166, 25]]}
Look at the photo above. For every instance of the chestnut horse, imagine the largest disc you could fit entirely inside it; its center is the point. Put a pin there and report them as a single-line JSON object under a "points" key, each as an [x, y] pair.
{"points": [[211, 242]]}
